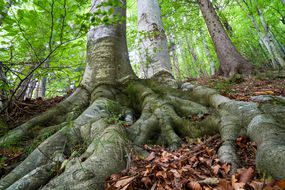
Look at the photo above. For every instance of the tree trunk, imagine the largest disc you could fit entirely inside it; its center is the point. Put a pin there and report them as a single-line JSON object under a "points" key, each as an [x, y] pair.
{"points": [[30, 90], [4, 85], [195, 60], [271, 43], [231, 62], [175, 62], [43, 82], [154, 48], [24, 86], [208, 54], [283, 1], [90, 143], [267, 40]]}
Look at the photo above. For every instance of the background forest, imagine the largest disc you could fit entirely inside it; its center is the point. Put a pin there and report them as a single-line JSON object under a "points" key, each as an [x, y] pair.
{"points": [[43, 43]]}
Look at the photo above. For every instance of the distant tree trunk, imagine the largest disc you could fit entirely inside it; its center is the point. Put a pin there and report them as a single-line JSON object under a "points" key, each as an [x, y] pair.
{"points": [[175, 62], [267, 39], [3, 91], [24, 86], [195, 61], [31, 88], [208, 54], [187, 70], [283, 1], [42, 83], [231, 61], [154, 42], [270, 41]]}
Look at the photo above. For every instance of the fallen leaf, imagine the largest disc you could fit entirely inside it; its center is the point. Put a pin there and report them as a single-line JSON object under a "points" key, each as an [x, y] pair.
{"points": [[246, 175], [194, 185], [150, 157], [146, 181], [216, 169], [124, 181], [175, 173], [281, 184]]}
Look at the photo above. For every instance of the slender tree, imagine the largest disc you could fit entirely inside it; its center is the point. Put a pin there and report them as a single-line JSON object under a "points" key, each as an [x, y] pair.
{"points": [[267, 39], [208, 54], [231, 61]]}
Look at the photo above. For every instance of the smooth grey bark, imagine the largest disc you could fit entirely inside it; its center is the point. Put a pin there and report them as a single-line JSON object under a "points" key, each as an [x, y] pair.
{"points": [[175, 61], [24, 86], [154, 48], [43, 82], [208, 54], [231, 61], [31, 88]]}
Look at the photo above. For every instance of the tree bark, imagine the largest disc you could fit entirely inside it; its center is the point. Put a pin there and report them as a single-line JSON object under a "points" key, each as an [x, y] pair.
{"points": [[154, 48], [43, 82], [231, 61], [208, 54], [175, 62]]}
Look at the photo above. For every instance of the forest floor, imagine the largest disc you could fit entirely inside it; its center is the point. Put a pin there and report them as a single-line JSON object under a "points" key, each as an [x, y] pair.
{"points": [[194, 166]]}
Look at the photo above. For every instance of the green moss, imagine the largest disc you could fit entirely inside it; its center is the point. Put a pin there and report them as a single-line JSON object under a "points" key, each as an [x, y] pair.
{"points": [[43, 135]]}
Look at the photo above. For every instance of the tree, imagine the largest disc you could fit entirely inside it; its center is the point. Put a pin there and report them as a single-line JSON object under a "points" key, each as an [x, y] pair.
{"points": [[154, 48], [231, 62], [267, 39], [95, 117]]}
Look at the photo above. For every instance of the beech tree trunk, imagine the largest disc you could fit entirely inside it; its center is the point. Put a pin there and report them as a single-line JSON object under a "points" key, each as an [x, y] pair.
{"points": [[231, 61], [43, 82], [208, 54], [154, 48]]}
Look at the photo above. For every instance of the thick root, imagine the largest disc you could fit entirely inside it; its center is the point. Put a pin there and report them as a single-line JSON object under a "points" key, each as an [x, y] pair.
{"points": [[73, 104], [245, 118], [163, 119]]}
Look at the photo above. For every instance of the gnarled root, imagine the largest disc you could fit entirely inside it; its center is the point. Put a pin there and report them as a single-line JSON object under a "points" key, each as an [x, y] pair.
{"points": [[166, 116]]}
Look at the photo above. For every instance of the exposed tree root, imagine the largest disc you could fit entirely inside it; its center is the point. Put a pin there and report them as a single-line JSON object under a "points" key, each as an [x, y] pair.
{"points": [[71, 107], [166, 117]]}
